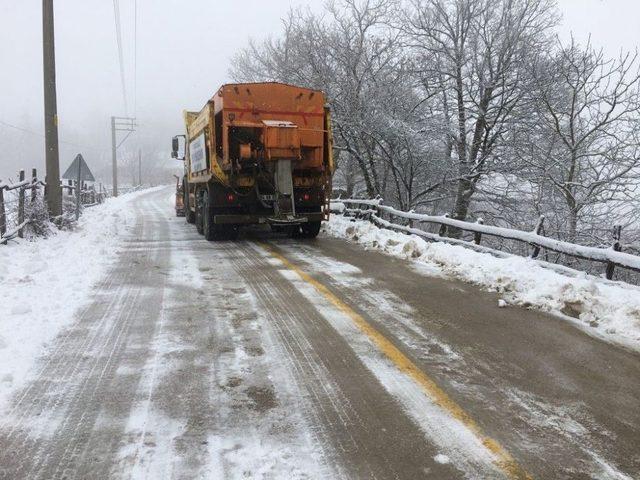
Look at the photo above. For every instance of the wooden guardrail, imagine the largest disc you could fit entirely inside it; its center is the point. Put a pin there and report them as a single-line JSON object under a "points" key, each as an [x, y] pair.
{"points": [[375, 211]]}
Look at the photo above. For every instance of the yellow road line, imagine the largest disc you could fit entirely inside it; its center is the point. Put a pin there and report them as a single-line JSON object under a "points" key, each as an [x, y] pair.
{"points": [[504, 461]]}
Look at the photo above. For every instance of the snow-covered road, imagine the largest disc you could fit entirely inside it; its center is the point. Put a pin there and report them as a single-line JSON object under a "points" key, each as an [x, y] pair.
{"points": [[274, 358]]}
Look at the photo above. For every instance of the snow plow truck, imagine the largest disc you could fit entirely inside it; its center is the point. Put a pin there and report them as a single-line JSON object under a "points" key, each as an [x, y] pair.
{"points": [[257, 153]]}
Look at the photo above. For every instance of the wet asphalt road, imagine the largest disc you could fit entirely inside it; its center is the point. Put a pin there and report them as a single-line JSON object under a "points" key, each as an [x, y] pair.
{"points": [[275, 358]]}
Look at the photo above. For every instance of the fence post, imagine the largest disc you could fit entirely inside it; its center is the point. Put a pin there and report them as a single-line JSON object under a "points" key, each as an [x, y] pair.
{"points": [[477, 237], [367, 217], [3, 217], [537, 231], [617, 247], [70, 183], [34, 181], [21, 205], [357, 208], [443, 227]]}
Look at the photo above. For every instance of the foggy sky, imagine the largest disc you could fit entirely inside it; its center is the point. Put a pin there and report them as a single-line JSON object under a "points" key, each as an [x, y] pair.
{"points": [[183, 53]]}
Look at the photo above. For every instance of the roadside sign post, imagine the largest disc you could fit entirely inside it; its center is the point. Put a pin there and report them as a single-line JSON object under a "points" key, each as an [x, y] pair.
{"points": [[78, 189]]}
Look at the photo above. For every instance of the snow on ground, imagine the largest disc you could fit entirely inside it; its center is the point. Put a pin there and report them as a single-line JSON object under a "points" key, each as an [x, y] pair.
{"points": [[44, 282], [610, 310]]}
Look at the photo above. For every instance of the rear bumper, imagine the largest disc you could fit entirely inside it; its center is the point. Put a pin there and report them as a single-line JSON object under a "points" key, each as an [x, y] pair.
{"points": [[241, 219]]}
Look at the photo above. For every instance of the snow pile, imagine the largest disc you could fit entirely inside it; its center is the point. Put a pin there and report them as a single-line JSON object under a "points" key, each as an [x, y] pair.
{"points": [[607, 309], [44, 282]]}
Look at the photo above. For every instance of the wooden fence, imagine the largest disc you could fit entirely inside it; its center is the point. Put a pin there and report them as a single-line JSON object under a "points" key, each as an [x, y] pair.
{"points": [[16, 197], [13, 200], [88, 196], [409, 222]]}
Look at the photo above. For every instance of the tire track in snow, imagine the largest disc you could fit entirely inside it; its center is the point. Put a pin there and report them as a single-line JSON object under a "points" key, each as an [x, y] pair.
{"points": [[200, 419], [77, 429], [446, 424], [73, 389], [350, 410], [553, 394]]}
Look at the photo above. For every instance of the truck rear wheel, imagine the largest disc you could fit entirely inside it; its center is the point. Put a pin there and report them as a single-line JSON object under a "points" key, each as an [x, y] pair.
{"points": [[199, 215], [212, 231], [208, 227], [189, 215], [232, 232], [310, 230], [306, 230]]}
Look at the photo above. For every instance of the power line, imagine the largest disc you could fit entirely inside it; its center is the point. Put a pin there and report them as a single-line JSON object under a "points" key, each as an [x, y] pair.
{"points": [[25, 130], [116, 11]]}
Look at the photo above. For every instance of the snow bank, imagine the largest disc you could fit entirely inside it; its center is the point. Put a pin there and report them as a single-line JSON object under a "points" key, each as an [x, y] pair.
{"points": [[44, 282], [605, 309]]}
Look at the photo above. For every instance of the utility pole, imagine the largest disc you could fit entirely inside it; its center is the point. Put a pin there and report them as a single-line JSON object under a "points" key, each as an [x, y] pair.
{"points": [[119, 124], [114, 160], [53, 189], [139, 168]]}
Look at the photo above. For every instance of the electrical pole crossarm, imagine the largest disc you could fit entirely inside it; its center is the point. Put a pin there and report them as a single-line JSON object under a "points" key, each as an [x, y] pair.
{"points": [[119, 124]]}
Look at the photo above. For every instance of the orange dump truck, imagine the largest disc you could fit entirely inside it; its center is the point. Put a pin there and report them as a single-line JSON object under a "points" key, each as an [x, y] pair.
{"points": [[257, 153]]}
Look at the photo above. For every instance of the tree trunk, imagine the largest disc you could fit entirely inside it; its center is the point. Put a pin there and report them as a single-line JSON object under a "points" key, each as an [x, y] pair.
{"points": [[573, 225], [461, 207]]}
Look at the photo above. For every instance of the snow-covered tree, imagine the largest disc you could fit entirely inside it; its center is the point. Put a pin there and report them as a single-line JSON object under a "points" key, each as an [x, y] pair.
{"points": [[587, 134]]}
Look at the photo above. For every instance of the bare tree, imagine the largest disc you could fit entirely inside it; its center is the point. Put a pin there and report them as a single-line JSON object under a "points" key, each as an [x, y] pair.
{"points": [[587, 131], [467, 106], [355, 57], [473, 56]]}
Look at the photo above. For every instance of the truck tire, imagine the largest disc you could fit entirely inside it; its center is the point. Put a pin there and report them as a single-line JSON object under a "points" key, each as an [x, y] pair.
{"points": [[232, 232], [310, 230], [306, 230], [199, 215], [210, 230], [188, 214]]}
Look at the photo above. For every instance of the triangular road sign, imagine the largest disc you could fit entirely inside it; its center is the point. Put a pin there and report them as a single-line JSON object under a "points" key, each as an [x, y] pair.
{"points": [[72, 171]]}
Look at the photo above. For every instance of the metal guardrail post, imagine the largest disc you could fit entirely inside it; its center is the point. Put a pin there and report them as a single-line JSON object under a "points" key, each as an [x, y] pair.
{"points": [[477, 237], [538, 230], [443, 228], [617, 247]]}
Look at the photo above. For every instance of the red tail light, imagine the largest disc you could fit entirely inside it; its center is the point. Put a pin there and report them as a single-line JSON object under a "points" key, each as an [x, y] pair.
{"points": [[231, 198], [306, 197]]}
